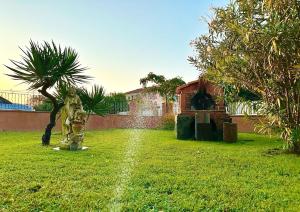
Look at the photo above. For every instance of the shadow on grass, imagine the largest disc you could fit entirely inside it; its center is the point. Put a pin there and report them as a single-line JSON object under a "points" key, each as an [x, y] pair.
{"points": [[273, 152]]}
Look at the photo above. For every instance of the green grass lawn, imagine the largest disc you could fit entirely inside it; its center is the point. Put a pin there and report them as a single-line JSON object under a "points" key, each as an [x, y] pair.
{"points": [[147, 170]]}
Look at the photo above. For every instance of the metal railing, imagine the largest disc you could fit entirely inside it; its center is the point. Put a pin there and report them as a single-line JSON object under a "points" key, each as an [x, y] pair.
{"points": [[33, 101], [19, 100], [117, 107]]}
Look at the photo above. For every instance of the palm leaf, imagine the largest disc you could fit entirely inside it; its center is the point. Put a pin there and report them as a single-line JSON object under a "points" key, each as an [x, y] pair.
{"points": [[47, 65], [94, 101]]}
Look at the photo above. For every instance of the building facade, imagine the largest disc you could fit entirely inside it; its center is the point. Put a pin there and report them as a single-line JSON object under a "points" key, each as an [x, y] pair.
{"points": [[143, 103]]}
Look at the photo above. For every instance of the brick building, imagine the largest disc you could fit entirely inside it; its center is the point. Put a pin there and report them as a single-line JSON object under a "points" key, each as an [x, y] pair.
{"points": [[203, 99]]}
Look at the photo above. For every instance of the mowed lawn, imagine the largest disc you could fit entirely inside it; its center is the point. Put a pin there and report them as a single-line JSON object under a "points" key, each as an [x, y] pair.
{"points": [[147, 170]]}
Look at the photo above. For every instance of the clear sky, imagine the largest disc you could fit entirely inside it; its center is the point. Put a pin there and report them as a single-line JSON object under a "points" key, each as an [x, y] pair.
{"points": [[119, 40]]}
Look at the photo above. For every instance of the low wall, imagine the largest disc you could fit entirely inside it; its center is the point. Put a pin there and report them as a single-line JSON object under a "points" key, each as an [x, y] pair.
{"points": [[246, 123], [37, 121]]}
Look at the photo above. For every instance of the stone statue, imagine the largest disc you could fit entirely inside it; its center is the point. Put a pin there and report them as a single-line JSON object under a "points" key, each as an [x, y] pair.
{"points": [[73, 121]]}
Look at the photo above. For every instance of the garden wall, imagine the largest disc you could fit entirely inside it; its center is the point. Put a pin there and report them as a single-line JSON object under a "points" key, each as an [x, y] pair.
{"points": [[37, 121], [246, 123]]}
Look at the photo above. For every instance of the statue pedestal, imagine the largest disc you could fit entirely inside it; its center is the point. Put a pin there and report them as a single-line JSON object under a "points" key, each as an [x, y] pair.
{"points": [[58, 148], [73, 141]]}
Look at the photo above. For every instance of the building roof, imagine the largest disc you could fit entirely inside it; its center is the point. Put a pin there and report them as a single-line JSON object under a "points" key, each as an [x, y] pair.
{"points": [[139, 90], [178, 89], [4, 101], [201, 81]]}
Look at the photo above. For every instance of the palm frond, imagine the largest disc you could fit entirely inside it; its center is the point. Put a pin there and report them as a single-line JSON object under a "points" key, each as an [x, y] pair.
{"points": [[94, 101], [47, 65]]}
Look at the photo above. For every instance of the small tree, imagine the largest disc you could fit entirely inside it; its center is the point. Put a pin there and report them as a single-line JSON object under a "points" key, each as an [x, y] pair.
{"points": [[45, 66], [93, 101], [165, 87], [255, 45]]}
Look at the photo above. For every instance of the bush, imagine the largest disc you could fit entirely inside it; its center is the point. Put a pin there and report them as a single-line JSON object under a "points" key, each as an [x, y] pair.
{"points": [[168, 122], [46, 105], [295, 140]]}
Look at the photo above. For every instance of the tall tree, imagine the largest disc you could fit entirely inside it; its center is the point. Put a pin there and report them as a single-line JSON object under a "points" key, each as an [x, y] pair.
{"points": [[165, 87], [255, 45], [44, 66]]}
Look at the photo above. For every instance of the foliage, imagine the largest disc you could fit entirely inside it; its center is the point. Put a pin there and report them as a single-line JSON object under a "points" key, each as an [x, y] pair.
{"points": [[117, 97], [94, 101], [168, 122], [165, 87], [167, 175], [295, 139], [247, 95], [47, 65], [44, 66], [116, 102], [45, 105], [239, 94], [254, 45]]}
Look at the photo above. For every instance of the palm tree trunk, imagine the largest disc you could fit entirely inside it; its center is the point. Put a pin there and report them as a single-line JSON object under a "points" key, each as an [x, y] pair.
{"points": [[47, 135], [56, 108]]}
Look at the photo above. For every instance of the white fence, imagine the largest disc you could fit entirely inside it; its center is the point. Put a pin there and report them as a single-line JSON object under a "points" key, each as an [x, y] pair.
{"points": [[242, 108]]}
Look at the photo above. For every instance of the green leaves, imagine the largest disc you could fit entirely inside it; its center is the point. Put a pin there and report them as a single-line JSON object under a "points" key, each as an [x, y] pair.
{"points": [[254, 45], [44, 66], [165, 87], [94, 101], [47, 65]]}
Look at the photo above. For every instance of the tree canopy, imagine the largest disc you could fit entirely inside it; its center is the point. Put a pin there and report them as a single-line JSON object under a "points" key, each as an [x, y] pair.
{"points": [[254, 45], [165, 87]]}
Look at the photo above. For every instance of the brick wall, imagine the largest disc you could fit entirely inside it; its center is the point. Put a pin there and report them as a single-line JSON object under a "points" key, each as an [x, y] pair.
{"points": [[246, 124], [37, 121], [186, 92]]}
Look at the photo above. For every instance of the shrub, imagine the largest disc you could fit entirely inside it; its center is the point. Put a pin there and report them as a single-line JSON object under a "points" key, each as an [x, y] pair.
{"points": [[168, 122], [46, 105]]}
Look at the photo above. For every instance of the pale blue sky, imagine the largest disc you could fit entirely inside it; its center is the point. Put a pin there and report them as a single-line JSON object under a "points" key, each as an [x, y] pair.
{"points": [[119, 40]]}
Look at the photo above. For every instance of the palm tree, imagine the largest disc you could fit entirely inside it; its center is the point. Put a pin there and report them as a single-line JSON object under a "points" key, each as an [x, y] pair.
{"points": [[94, 101], [45, 66]]}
